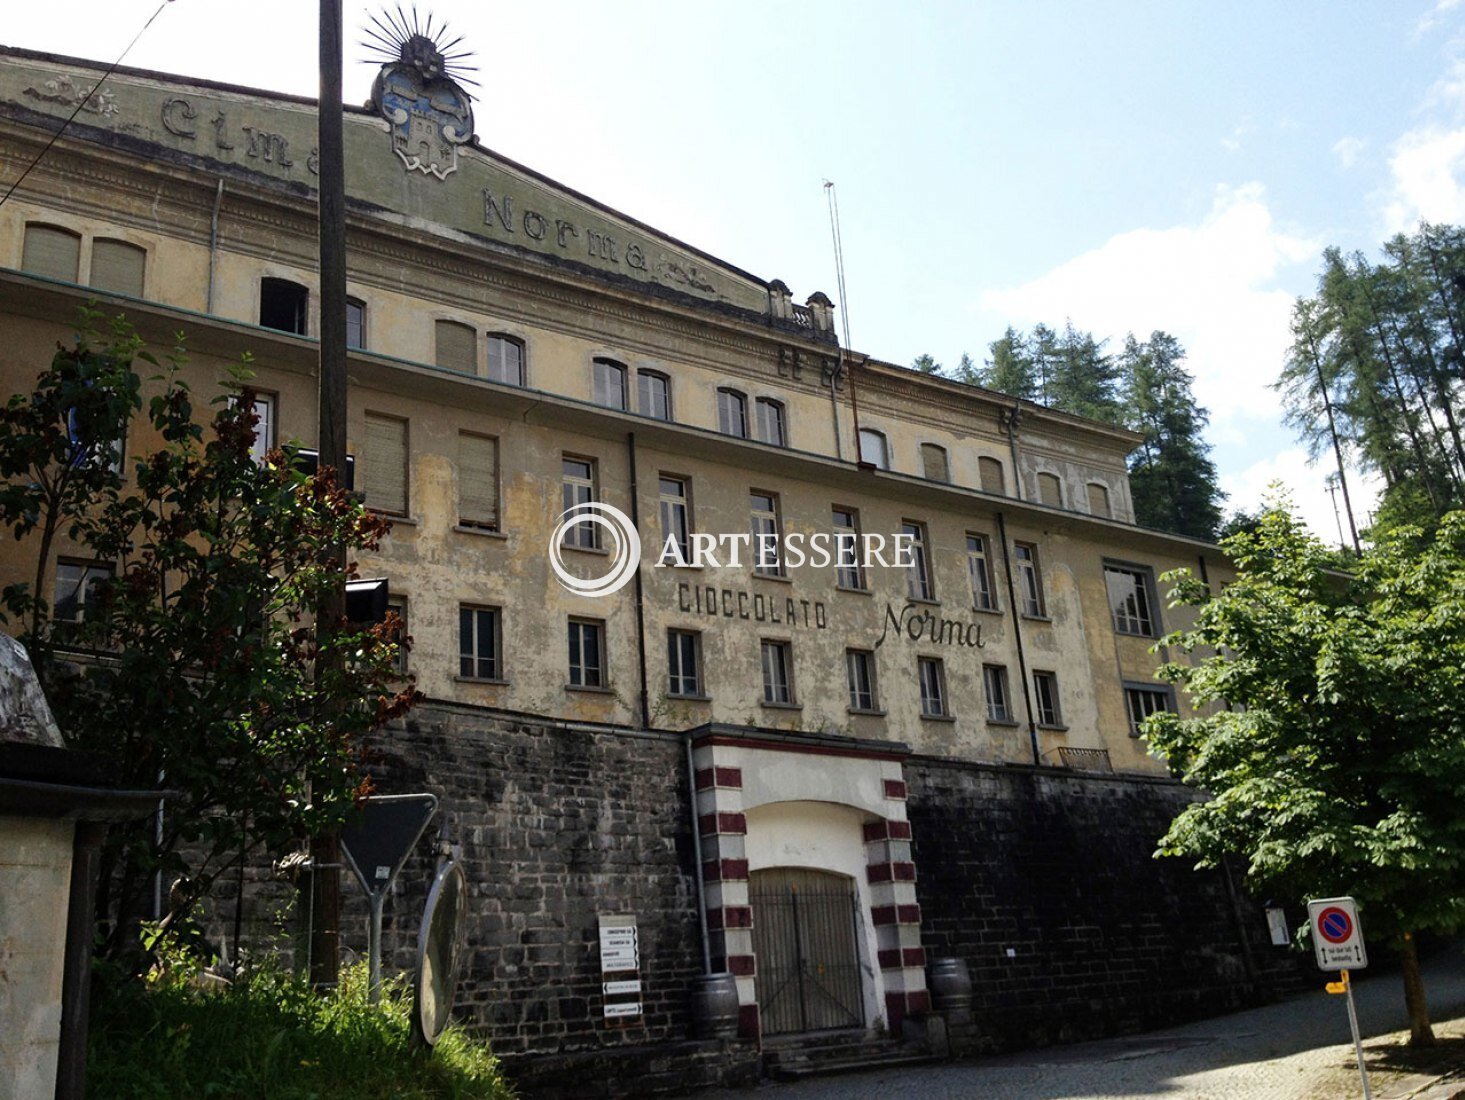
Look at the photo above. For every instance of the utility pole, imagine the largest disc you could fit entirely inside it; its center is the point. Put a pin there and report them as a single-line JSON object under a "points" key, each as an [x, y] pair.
{"points": [[325, 878]]}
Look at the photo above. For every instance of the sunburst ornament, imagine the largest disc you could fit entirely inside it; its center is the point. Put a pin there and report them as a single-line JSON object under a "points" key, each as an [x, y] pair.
{"points": [[418, 90]]}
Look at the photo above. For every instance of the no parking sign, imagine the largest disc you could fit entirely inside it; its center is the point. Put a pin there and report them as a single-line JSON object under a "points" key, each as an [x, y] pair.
{"points": [[1337, 938]]}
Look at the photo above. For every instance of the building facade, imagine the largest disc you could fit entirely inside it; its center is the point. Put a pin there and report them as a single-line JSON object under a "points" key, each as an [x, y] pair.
{"points": [[928, 730]]}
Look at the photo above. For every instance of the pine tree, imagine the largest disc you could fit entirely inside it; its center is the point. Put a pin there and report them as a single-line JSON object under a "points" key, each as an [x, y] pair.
{"points": [[1010, 369], [926, 364], [1171, 477], [966, 371], [1084, 379]]}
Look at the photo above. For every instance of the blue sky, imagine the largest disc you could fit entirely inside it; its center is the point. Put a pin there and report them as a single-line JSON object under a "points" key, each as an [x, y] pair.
{"points": [[1125, 165]]}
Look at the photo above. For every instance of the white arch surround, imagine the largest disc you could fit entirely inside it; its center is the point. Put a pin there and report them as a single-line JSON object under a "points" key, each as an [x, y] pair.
{"points": [[823, 836]]}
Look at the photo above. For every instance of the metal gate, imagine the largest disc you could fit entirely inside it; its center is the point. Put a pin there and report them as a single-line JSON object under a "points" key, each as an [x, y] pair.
{"points": [[804, 936]]}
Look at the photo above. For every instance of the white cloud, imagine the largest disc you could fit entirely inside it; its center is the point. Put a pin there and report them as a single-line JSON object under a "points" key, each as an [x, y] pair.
{"points": [[1348, 150], [1432, 18], [1427, 163], [1212, 285], [1308, 485]]}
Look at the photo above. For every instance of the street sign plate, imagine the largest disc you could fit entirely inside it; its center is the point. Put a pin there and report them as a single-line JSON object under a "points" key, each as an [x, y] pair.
{"points": [[1337, 937], [379, 836]]}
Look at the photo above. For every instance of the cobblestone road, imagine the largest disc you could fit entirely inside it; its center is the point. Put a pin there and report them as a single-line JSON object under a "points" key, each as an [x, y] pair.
{"points": [[1297, 1050]]}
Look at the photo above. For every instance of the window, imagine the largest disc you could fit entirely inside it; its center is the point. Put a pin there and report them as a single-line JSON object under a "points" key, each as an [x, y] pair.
{"points": [[1131, 597], [579, 488], [263, 405], [918, 574], [505, 359], [51, 251], [587, 653], [76, 585], [934, 466], [1029, 580], [610, 383], [873, 449], [932, 674], [455, 346], [979, 569], [118, 266], [675, 514], [1045, 688], [355, 323], [1050, 490], [478, 643], [772, 422], [989, 471], [684, 663], [732, 413], [848, 571], [478, 481], [778, 675], [860, 667], [994, 682], [1099, 501], [398, 606], [283, 305], [766, 529], [386, 464], [653, 394], [1144, 700]]}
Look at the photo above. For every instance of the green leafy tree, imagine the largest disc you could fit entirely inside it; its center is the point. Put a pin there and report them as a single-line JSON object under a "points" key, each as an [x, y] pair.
{"points": [[1171, 475], [1330, 739], [197, 662], [926, 364]]}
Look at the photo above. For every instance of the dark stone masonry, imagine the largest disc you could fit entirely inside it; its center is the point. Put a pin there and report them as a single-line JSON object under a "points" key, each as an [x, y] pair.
{"points": [[1042, 880]]}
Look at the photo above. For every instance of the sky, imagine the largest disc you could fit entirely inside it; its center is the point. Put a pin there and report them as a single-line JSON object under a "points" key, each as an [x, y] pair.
{"points": [[1126, 166]]}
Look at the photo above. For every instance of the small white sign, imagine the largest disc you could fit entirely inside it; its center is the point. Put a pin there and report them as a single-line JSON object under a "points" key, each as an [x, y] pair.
{"points": [[1337, 937], [614, 988], [619, 944], [1277, 926], [632, 1009]]}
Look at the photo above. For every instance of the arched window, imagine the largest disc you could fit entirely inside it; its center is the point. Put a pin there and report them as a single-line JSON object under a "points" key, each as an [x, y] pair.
{"points": [[505, 359], [1099, 500], [456, 346], [1050, 490], [653, 394], [609, 383], [934, 466], [283, 305], [772, 422], [118, 266], [732, 413], [990, 471], [51, 251], [874, 449]]}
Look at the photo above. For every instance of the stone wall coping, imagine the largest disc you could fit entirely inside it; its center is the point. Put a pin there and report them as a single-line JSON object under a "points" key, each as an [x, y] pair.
{"points": [[759, 737]]}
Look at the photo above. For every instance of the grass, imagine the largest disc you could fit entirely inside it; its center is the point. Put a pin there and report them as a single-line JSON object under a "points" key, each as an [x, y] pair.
{"points": [[269, 1036]]}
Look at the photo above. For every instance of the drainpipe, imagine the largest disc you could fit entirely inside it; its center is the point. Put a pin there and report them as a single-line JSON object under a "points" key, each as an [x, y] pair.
{"points": [[697, 858], [214, 243], [640, 601], [1010, 420], [1022, 663], [854, 404], [834, 405]]}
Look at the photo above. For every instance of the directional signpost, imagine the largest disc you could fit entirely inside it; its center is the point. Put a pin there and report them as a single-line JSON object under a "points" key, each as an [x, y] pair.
{"points": [[376, 841], [1337, 941]]}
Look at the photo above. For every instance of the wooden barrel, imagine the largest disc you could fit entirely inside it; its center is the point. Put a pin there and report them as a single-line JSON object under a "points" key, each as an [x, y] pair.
{"points": [[715, 1006], [951, 989]]}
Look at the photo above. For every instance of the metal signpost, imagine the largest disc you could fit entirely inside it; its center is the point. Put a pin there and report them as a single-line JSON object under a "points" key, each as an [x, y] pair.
{"points": [[376, 841], [1337, 941]]}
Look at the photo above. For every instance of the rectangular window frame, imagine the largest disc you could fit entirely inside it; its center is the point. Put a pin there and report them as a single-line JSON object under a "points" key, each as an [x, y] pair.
{"points": [[771, 416], [388, 508], [495, 345], [979, 572], [470, 648], [776, 659], [863, 681], [608, 383], [479, 522], [679, 677], [1142, 621], [1135, 689], [1033, 603], [355, 325], [577, 489], [1047, 704], [585, 674], [849, 570], [931, 679], [398, 604], [762, 522], [997, 692], [89, 570], [732, 412], [920, 582], [674, 511], [647, 398]]}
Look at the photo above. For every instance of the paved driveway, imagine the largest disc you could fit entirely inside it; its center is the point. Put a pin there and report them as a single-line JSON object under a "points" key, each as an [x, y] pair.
{"points": [[1297, 1050]]}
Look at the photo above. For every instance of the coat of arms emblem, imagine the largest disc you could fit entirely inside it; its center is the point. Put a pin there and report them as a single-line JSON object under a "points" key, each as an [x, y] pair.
{"points": [[430, 114]]}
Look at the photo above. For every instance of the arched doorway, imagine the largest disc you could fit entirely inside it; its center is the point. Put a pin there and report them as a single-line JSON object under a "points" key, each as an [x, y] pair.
{"points": [[805, 938]]}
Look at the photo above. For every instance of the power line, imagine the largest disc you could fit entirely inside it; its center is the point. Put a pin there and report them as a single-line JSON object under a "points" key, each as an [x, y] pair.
{"points": [[82, 102]]}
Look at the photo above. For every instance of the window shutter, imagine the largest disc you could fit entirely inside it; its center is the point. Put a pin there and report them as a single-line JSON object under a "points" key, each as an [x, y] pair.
{"points": [[54, 253], [1098, 500], [457, 347], [478, 481], [933, 459], [1049, 491], [118, 266], [386, 464], [991, 471]]}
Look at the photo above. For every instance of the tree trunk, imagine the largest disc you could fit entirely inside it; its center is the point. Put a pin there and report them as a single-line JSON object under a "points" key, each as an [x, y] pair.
{"points": [[1420, 1033]]}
